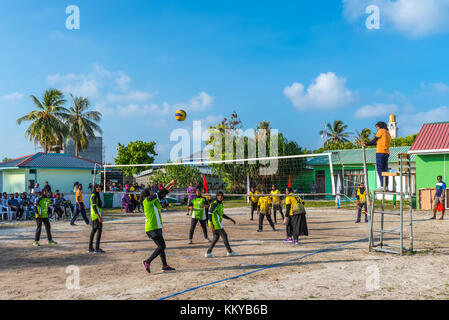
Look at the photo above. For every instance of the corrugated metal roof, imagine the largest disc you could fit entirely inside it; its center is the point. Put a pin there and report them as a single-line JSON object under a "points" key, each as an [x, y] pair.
{"points": [[432, 136], [354, 156], [49, 160]]}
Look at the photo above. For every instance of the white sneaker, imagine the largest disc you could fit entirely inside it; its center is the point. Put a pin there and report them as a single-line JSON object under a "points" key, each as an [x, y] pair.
{"points": [[209, 255], [233, 253]]}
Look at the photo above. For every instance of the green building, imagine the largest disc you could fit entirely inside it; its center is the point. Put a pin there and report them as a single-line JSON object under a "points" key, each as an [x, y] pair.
{"points": [[348, 167], [431, 149], [60, 170]]}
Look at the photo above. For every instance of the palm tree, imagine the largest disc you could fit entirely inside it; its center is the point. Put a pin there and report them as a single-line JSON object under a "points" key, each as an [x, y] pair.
{"points": [[81, 123], [336, 133], [362, 136], [47, 127]]}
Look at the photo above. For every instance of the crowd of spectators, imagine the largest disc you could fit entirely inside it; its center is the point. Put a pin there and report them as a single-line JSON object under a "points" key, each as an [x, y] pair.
{"points": [[23, 205]]}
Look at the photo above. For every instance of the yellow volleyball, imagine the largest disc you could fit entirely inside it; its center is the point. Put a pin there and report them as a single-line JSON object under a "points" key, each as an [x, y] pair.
{"points": [[180, 115]]}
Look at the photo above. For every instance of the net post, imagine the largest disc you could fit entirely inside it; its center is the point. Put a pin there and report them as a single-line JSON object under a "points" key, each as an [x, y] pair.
{"points": [[95, 175], [368, 199], [331, 166]]}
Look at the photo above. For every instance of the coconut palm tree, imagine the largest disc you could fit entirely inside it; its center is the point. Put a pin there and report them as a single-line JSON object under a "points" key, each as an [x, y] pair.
{"points": [[47, 127], [336, 133], [81, 123], [362, 136]]}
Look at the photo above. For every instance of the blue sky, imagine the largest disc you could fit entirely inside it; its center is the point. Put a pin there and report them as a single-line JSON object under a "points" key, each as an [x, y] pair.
{"points": [[294, 63]]}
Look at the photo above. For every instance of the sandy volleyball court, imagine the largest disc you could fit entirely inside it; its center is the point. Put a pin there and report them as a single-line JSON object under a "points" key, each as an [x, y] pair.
{"points": [[332, 263]]}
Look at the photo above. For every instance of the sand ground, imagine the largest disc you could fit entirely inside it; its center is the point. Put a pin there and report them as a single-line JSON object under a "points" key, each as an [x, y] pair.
{"points": [[346, 271]]}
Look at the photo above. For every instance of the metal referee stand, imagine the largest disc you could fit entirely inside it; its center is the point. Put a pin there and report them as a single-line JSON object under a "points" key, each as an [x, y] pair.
{"points": [[405, 191]]}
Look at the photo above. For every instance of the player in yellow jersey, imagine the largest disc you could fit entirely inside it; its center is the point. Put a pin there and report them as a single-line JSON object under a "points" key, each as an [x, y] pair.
{"points": [[254, 201], [361, 203], [264, 210], [276, 200]]}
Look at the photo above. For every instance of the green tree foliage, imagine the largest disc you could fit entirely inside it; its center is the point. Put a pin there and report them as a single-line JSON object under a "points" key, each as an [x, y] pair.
{"points": [[81, 123], [404, 141], [235, 174], [183, 173], [135, 152], [336, 133], [47, 127], [6, 159]]}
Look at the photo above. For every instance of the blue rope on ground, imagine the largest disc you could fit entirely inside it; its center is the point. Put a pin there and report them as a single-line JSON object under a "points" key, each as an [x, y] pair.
{"points": [[261, 269]]}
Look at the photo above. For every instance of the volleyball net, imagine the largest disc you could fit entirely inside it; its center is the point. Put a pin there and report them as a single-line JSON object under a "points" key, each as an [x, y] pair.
{"points": [[310, 176]]}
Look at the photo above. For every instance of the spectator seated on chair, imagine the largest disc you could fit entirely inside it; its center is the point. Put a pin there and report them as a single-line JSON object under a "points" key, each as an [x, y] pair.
{"points": [[67, 204], [13, 204], [26, 205], [58, 206]]}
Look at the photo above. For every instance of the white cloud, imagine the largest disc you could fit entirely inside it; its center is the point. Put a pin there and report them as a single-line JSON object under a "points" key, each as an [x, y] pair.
{"points": [[133, 96], [439, 87], [12, 97], [137, 110], [328, 91], [122, 81], [412, 123], [414, 18], [376, 110], [201, 102]]}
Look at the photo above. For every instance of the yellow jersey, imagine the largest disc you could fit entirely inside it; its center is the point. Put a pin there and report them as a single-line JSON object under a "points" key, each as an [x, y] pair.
{"points": [[292, 201], [361, 196], [264, 204], [275, 200], [253, 198]]}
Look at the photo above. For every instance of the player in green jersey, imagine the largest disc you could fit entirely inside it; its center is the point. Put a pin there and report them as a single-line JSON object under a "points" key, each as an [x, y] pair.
{"points": [[96, 212], [215, 217], [42, 205], [199, 206], [153, 224]]}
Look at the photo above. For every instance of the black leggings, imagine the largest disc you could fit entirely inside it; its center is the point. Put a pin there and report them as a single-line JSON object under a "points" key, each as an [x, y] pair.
{"points": [[276, 208], [217, 234], [39, 222], [193, 226], [156, 236], [97, 227], [253, 208], [261, 217]]}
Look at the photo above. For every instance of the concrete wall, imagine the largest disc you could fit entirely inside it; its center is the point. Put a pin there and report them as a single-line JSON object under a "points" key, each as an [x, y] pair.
{"points": [[14, 180], [428, 167]]}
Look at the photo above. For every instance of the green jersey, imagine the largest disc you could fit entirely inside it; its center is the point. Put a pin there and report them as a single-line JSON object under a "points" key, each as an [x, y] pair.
{"points": [[42, 207], [199, 212], [95, 202], [216, 212], [153, 219]]}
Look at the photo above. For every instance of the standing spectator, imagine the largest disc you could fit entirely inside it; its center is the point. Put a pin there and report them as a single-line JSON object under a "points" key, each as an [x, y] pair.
{"points": [[439, 197], [90, 188], [47, 187], [382, 143], [36, 189], [254, 201], [191, 190], [79, 206]]}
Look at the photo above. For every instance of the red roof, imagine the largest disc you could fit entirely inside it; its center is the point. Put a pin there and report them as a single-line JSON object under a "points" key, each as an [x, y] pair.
{"points": [[432, 137]]}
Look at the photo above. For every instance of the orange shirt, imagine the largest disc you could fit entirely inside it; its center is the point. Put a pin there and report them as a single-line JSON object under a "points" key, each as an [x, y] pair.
{"points": [[383, 143], [79, 196]]}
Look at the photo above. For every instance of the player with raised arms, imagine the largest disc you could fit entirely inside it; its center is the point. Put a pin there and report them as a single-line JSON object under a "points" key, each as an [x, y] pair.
{"points": [[153, 224]]}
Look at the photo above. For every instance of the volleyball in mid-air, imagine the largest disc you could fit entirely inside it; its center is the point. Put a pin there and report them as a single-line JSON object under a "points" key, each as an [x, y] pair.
{"points": [[180, 115]]}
